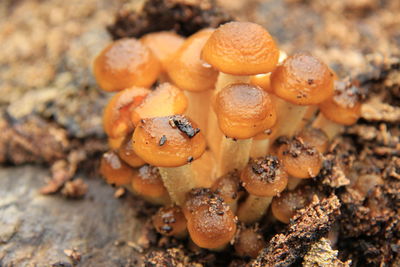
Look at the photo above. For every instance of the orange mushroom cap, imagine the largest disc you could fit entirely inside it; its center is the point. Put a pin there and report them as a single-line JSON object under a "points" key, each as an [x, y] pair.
{"points": [[285, 206], [163, 44], [147, 181], [115, 143], [244, 110], [169, 221], [114, 170], [170, 141], [116, 116], [227, 187], [187, 70], [249, 242], [302, 80], [345, 106], [264, 177], [127, 154], [212, 225], [300, 160], [241, 48], [196, 198], [165, 100], [315, 137], [126, 63]]}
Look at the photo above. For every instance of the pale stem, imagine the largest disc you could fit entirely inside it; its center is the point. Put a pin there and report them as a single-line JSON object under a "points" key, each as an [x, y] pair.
{"points": [[233, 155], [253, 208], [293, 183], [329, 127], [178, 181], [198, 107], [259, 148], [309, 116], [227, 79], [289, 119]]}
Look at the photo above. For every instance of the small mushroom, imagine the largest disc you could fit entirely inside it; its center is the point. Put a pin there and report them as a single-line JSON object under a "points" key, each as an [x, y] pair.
{"points": [[249, 241], [263, 178], [343, 109], [315, 138], [227, 187], [170, 143], [128, 155], [170, 221], [147, 183], [212, 224], [126, 63], [114, 170], [243, 110], [191, 74], [301, 161], [300, 81], [116, 116]]}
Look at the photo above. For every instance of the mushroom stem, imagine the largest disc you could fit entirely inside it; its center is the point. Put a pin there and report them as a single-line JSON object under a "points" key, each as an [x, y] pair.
{"points": [[178, 181], [329, 127], [289, 120], [259, 148], [309, 115], [225, 79], [293, 182], [197, 110], [253, 208], [233, 154]]}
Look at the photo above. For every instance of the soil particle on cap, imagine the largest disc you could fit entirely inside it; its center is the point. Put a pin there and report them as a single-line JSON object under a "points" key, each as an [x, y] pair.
{"points": [[185, 126], [267, 167], [163, 139], [308, 226], [184, 17]]}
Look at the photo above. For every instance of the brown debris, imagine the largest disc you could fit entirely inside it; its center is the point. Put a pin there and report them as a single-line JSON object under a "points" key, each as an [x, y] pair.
{"points": [[75, 189], [73, 254], [308, 226], [170, 257], [184, 17], [120, 192], [62, 171], [321, 254]]}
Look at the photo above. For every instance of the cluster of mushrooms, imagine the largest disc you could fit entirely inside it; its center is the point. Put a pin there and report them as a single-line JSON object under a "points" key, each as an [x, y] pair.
{"points": [[218, 126]]}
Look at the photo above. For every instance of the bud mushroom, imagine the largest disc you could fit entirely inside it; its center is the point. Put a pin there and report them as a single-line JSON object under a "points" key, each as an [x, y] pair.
{"points": [[116, 116], [243, 110], [227, 187], [249, 241], [127, 154], [147, 182], [314, 138], [212, 224], [169, 221], [170, 143], [114, 170], [263, 178], [343, 109], [301, 161], [125, 63]]}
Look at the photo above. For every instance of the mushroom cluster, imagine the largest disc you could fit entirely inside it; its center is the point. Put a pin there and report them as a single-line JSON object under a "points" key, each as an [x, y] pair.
{"points": [[216, 127]]}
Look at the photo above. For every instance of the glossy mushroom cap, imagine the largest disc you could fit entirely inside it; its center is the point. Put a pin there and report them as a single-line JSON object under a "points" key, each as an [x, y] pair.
{"points": [[147, 181], [345, 106], [195, 198], [170, 141], [114, 170], [169, 221], [249, 242], [315, 137], [116, 116], [127, 154], [163, 45], [187, 70], [227, 187], [212, 225], [264, 177], [302, 80], [241, 48], [244, 110], [115, 143], [300, 160], [285, 206], [126, 63], [165, 100]]}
